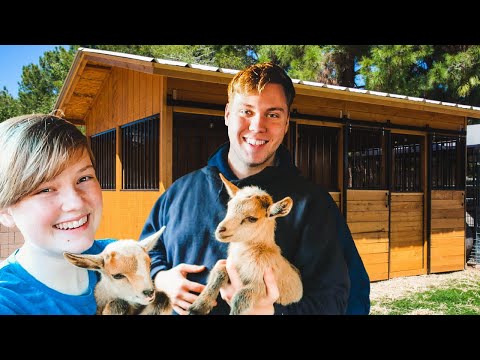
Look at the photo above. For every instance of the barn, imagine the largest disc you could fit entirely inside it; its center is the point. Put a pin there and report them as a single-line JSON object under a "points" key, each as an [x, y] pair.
{"points": [[394, 164]]}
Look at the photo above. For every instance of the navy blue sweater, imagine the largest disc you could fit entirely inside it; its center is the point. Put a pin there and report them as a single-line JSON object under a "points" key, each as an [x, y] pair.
{"points": [[314, 236]]}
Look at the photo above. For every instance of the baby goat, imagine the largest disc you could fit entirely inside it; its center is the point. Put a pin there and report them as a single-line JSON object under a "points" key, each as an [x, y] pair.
{"points": [[125, 286], [249, 228]]}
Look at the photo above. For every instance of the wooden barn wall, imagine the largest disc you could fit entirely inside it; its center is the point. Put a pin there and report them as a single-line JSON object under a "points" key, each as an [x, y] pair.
{"points": [[126, 96], [376, 113], [407, 235], [337, 197], [447, 245], [368, 220], [198, 91]]}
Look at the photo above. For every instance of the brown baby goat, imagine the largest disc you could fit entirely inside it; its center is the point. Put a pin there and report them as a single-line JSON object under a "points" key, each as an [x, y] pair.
{"points": [[249, 228], [125, 286]]}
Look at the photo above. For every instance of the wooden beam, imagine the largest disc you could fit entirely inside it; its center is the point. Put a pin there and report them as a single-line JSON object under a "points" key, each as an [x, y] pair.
{"points": [[124, 63], [77, 122], [191, 74], [70, 81], [385, 101]]}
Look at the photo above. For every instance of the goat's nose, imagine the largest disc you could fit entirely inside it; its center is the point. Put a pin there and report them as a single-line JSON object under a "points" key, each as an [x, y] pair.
{"points": [[148, 293], [221, 229]]}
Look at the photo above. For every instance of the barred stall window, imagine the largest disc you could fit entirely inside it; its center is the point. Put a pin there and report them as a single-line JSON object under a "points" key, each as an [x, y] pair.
{"points": [[103, 147], [140, 154], [406, 163], [366, 159], [448, 163], [317, 156]]}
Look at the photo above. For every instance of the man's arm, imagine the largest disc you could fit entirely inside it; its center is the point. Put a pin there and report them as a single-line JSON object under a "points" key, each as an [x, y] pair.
{"points": [[173, 281], [321, 261]]}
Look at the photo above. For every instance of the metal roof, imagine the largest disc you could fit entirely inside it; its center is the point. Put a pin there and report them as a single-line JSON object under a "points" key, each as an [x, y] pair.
{"points": [[295, 81]]}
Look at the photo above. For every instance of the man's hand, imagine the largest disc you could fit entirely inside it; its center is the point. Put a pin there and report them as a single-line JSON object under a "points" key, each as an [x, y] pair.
{"points": [[265, 305], [181, 291]]}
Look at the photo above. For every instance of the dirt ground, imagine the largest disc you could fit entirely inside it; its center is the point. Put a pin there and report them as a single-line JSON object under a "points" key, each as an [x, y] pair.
{"points": [[403, 286]]}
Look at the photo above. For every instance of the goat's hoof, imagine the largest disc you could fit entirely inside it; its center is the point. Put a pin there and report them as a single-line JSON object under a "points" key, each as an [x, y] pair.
{"points": [[199, 310]]}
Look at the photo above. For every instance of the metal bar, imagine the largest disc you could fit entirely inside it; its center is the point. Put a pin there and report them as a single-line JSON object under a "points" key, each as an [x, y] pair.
{"points": [[429, 198], [345, 168]]}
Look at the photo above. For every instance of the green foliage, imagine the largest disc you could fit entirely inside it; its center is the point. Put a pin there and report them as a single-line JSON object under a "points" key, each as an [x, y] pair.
{"points": [[41, 83], [226, 56], [330, 64], [451, 299], [399, 69], [455, 76], [9, 107], [439, 72], [304, 62]]}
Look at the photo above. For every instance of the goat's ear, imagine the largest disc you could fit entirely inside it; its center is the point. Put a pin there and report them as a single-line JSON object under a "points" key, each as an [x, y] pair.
{"points": [[93, 262], [149, 242], [231, 189], [280, 208]]}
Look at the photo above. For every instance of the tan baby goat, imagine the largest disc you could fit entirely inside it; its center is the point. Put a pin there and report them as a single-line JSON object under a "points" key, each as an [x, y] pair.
{"points": [[125, 286], [249, 228]]}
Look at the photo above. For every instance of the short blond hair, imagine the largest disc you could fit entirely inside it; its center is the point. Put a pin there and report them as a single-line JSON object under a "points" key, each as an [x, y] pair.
{"points": [[254, 78], [35, 148]]}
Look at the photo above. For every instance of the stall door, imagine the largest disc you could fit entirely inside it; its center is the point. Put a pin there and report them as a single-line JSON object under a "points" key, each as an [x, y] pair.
{"points": [[368, 198], [407, 232], [195, 138]]}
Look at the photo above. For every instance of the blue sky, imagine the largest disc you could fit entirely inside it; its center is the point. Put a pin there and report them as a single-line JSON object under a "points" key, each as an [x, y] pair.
{"points": [[13, 58]]}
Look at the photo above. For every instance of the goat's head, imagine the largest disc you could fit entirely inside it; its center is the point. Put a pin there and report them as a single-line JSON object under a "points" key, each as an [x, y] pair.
{"points": [[125, 266], [251, 213]]}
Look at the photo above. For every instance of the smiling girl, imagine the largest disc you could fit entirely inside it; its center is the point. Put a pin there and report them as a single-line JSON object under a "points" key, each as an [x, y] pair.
{"points": [[49, 191]]}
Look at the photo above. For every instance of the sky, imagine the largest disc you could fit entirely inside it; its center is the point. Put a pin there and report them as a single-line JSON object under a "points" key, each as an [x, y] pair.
{"points": [[13, 58]]}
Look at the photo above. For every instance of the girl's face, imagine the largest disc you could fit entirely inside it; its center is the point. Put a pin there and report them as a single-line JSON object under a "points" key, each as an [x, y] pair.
{"points": [[62, 214]]}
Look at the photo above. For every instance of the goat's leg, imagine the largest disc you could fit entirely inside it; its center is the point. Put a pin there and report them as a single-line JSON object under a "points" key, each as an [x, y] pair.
{"points": [[204, 303], [116, 307], [242, 300], [160, 306]]}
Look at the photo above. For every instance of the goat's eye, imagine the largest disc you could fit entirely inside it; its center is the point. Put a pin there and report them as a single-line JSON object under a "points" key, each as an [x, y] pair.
{"points": [[252, 219], [118, 276]]}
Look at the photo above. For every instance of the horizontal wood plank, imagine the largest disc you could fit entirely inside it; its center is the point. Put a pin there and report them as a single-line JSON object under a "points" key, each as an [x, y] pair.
{"points": [[407, 197], [366, 247], [413, 272], [442, 251], [447, 204], [369, 226], [448, 241], [447, 234], [447, 195], [378, 236], [448, 213], [362, 206], [357, 195]]}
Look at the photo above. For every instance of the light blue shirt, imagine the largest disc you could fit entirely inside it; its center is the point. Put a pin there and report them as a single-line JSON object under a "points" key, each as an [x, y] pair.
{"points": [[22, 294]]}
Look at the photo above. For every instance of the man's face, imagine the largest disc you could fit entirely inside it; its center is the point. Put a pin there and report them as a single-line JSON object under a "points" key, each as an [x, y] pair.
{"points": [[256, 124]]}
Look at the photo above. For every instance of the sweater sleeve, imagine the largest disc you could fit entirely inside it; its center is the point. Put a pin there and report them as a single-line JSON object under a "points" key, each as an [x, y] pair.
{"points": [[321, 262], [359, 298], [153, 224]]}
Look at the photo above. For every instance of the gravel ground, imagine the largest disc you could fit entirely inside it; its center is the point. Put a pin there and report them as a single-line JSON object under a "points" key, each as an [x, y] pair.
{"points": [[403, 286]]}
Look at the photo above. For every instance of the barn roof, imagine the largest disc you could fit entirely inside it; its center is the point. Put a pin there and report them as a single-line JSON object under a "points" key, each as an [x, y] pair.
{"points": [[91, 67]]}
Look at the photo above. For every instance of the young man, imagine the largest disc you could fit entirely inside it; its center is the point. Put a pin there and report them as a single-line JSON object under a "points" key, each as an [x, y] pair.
{"points": [[314, 236]]}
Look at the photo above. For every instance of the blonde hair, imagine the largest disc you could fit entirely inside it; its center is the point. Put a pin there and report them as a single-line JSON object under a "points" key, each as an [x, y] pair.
{"points": [[35, 148], [254, 78]]}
